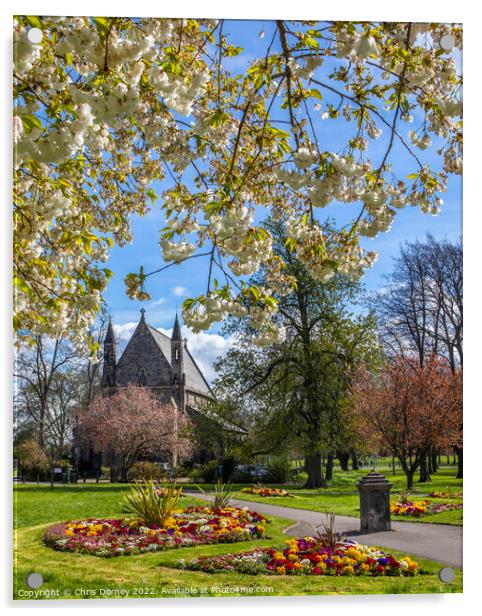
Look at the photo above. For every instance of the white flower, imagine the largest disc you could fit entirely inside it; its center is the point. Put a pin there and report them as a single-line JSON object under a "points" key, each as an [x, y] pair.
{"points": [[365, 47], [17, 128]]}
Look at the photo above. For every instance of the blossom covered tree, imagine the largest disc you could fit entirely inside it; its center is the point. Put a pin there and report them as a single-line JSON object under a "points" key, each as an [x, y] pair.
{"points": [[408, 407], [132, 423], [105, 108]]}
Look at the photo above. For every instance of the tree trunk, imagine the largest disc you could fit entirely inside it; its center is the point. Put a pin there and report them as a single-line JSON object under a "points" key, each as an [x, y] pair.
{"points": [[424, 470], [393, 467], [343, 458], [329, 467], [354, 461], [434, 463], [409, 475], [460, 462], [313, 468]]}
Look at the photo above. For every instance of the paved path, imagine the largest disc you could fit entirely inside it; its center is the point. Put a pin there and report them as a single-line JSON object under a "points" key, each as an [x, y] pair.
{"points": [[439, 542]]}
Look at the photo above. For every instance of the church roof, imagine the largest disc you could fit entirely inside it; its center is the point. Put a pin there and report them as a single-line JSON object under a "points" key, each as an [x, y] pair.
{"points": [[109, 336], [194, 377]]}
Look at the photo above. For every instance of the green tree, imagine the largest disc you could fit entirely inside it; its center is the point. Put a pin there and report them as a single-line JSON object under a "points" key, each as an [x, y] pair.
{"points": [[294, 394]]}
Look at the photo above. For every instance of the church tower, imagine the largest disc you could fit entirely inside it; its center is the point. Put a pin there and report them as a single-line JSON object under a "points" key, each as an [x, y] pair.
{"points": [[108, 373], [177, 361]]}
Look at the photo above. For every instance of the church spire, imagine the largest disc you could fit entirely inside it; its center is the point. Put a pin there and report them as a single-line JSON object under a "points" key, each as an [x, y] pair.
{"points": [[108, 372], [176, 332], [143, 319], [109, 336], [177, 361]]}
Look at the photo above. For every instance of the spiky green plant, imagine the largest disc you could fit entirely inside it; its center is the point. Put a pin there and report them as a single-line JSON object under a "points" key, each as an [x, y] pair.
{"points": [[150, 505], [404, 496], [328, 536], [222, 494]]}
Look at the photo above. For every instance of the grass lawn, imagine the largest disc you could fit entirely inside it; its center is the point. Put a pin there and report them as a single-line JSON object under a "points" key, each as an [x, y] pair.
{"points": [[74, 575], [342, 494]]}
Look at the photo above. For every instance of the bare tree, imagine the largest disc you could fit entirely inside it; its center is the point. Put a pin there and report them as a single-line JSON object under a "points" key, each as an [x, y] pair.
{"points": [[35, 370], [69, 393], [420, 310]]}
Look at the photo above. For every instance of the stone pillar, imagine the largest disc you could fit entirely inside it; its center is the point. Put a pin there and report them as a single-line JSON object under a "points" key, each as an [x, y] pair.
{"points": [[374, 492]]}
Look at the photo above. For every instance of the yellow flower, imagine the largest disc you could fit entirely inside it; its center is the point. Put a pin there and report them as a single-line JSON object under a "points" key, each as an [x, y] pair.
{"points": [[280, 570], [278, 555], [348, 570], [69, 532], [292, 557]]}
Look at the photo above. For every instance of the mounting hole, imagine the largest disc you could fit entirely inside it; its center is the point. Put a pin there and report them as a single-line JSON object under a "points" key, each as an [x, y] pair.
{"points": [[34, 580], [447, 42], [35, 35], [447, 575]]}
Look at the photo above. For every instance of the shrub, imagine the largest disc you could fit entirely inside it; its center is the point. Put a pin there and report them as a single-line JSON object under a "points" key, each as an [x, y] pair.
{"points": [[209, 471], [104, 472], [145, 471], [33, 460], [278, 470], [150, 505]]}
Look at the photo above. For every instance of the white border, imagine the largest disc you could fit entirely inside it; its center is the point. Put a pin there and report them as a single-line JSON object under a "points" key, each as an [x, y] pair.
{"points": [[409, 10]]}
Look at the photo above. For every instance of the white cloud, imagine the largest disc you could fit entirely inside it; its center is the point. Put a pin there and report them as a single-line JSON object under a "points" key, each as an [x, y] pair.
{"points": [[205, 348], [179, 291], [123, 334], [157, 302]]}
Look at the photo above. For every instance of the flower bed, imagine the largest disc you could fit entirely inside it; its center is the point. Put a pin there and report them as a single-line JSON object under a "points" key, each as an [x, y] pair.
{"points": [[440, 507], [262, 491], [307, 556], [446, 494], [196, 525], [417, 509]]}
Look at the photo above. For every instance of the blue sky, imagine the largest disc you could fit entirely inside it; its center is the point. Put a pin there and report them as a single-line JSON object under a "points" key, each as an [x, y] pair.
{"points": [[169, 288]]}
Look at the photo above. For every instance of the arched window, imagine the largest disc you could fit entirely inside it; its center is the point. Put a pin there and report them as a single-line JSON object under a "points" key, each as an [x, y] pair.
{"points": [[176, 354], [142, 378]]}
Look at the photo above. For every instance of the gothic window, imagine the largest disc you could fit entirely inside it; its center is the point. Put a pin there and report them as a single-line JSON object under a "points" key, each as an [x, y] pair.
{"points": [[142, 377], [176, 354]]}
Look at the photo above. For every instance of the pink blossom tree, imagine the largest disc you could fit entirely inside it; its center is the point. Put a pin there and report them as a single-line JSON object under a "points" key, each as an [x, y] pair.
{"points": [[132, 423]]}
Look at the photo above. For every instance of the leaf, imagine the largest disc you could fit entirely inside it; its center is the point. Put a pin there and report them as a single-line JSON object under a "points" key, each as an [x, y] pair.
{"points": [[102, 24], [218, 118], [21, 284], [412, 176], [152, 195], [311, 42], [316, 93], [30, 122], [33, 21]]}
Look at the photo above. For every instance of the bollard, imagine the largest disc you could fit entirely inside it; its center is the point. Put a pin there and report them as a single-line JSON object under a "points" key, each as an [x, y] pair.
{"points": [[374, 490]]}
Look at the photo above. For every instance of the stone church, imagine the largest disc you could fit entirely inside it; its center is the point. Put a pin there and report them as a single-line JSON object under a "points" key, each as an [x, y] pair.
{"points": [[154, 360], [166, 366]]}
